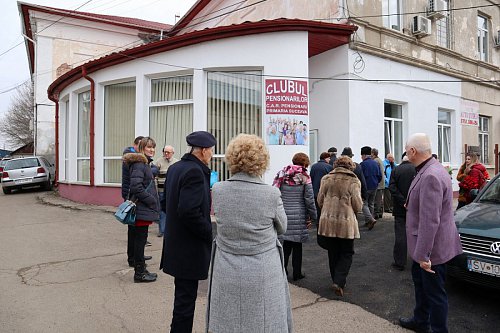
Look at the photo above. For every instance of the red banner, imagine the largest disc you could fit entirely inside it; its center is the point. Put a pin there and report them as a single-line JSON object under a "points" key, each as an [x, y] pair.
{"points": [[286, 97]]}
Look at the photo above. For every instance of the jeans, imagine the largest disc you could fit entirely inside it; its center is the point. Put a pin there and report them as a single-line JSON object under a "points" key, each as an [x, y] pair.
{"points": [[379, 203], [431, 301], [163, 216], [369, 205], [400, 250]]}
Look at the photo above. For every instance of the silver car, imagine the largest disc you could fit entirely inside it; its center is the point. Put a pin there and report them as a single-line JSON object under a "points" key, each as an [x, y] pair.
{"points": [[27, 172]]}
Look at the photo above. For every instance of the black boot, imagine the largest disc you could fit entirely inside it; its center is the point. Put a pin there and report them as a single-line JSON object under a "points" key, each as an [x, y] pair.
{"points": [[142, 274]]}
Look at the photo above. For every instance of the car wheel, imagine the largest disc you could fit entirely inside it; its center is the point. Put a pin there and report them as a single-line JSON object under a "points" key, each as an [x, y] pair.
{"points": [[6, 190], [47, 186]]}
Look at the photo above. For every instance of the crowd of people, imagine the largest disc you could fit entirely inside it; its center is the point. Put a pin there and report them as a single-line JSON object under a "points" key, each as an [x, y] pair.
{"points": [[259, 226]]}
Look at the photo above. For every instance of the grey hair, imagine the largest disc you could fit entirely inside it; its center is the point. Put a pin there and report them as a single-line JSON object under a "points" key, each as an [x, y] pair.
{"points": [[421, 142]]}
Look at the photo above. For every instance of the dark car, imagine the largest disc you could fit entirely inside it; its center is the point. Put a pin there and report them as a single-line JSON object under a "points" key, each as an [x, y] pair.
{"points": [[478, 224]]}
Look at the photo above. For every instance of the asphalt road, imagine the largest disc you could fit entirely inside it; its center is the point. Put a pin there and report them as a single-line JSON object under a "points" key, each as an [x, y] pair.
{"points": [[388, 293]]}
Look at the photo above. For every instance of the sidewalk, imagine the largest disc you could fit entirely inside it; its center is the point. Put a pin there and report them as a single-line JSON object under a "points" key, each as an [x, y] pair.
{"points": [[311, 313]]}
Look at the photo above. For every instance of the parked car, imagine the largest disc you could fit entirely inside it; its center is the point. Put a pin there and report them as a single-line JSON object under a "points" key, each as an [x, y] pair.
{"points": [[478, 224], [2, 164], [27, 172]]}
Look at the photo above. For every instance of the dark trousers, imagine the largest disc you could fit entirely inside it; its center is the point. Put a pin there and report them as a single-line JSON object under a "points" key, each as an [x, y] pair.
{"points": [[318, 210], [379, 203], [140, 237], [431, 301], [295, 249], [130, 243], [400, 249], [340, 254], [184, 305], [387, 200]]}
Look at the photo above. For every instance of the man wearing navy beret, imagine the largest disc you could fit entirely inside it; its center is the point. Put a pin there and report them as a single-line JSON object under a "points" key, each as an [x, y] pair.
{"points": [[187, 242]]}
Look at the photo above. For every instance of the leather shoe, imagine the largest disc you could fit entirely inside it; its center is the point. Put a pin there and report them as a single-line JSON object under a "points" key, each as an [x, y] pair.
{"points": [[371, 224], [409, 323], [398, 267], [339, 291], [298, 277], [147, 257]]}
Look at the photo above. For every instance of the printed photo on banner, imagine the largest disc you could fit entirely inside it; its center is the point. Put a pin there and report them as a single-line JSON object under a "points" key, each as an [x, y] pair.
{"points": [[287, 104]]}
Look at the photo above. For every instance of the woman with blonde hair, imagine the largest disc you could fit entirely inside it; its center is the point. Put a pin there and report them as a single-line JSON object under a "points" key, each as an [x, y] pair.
{"points": [[248, 289], [297, 193], [339, 198], [471, 175]]}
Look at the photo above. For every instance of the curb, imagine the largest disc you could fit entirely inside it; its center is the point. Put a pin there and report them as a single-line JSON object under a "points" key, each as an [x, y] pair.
{"points": [[52, 198]]}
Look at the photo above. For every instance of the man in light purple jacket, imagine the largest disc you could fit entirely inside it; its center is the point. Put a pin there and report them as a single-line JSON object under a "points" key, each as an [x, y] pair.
{"points": [[432, 236]]}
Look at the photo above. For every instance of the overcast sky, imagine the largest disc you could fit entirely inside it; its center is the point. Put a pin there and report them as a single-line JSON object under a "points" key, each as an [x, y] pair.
{"points": [[14, 68]]}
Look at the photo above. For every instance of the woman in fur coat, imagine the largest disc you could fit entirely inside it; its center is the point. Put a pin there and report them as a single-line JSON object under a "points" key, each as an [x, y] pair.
{"points": [[339, 198]]}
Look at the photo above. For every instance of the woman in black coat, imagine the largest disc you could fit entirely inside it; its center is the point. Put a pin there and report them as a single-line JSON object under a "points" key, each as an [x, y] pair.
{"points": [[143, 193]]}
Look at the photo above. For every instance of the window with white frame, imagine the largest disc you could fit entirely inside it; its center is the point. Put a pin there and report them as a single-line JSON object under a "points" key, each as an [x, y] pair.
{"points": [[482, 37], [119, 127], [391, 14], [444, 136], [393, 130], [171, 112], [484, 137], [443, 27], [234, 106], [83, 142], [66, 140]]}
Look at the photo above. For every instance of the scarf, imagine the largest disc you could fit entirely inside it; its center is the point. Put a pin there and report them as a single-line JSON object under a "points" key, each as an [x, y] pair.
{"points": [[292, 175]]}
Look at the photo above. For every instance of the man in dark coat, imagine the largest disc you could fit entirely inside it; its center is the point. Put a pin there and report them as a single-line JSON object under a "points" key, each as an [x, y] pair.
{"points": [[318, 170], [187, 243], [401, 178], [358, 171]]}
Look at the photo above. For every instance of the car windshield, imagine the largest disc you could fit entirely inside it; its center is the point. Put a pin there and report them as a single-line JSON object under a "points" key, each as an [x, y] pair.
{"points": [[492, 193], [22, 164]]}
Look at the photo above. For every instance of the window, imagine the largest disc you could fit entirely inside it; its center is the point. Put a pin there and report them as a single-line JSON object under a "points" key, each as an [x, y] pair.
{"points": [[444, 136], [119, 127], [391, 11], [234, 106], [171, 112], [484, 137], [443, 27], [393, 130], [482, 37], [83, 144]]}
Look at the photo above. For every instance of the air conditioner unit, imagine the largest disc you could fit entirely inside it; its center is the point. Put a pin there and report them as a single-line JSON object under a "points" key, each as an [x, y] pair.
{"points": [[421, 26], [437, 9]]}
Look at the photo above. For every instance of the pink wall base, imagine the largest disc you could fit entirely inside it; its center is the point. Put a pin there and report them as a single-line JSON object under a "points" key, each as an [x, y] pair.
{"points": [[94, 195]]}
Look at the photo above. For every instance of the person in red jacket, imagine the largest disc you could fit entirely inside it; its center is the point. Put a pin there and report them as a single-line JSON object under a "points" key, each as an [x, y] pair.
{"points": [[472, 175]]}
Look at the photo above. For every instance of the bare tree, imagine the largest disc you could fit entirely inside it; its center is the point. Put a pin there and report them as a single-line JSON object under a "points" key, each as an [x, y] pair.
{"points": [[17, 124]]}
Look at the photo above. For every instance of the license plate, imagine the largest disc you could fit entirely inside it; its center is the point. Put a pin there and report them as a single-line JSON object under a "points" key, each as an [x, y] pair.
{"points": [[24, 181], [483, 267]]}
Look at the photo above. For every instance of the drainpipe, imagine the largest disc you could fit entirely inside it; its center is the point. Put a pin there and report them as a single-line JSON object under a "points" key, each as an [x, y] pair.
{"points": [[55, 98], [91, 130]]}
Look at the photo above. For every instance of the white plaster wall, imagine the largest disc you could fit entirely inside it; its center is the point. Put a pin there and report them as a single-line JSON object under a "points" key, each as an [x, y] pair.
{"points": [[281, 53]]}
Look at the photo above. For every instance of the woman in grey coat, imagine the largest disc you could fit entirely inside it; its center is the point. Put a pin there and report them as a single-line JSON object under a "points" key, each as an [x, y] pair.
{"points": [[248, 287], [298, 200]]}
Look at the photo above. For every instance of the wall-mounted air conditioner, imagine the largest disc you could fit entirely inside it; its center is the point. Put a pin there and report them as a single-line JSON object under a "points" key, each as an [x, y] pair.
{"points": [[421, 26], [437, 9]]}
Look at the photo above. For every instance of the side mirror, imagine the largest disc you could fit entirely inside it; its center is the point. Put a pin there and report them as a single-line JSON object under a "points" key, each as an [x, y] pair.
{"points": [[474, 193]]}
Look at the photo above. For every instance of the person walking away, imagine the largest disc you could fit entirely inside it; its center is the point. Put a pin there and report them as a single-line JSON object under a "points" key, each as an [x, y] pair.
{"points": [[298, 199], [333, 155], [143, 192], [373, 176], [472, 175], [432, 236], [389, 166], [379, 195], [358, 171], [125, 194], [401, 178], [163, 163], [248, 288], [340, 199], [187, 242], [318, 170]]}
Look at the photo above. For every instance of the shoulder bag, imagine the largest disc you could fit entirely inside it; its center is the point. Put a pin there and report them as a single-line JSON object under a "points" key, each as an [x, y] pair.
{"points": [[126, 212]]}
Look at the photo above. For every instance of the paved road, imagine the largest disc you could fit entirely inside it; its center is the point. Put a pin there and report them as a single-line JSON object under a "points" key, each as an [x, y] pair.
{"points": [[375, 286]]}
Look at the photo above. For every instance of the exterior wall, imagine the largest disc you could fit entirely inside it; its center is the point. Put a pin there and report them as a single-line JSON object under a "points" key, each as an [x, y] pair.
{"points": [[70, 43], [288, 58]]}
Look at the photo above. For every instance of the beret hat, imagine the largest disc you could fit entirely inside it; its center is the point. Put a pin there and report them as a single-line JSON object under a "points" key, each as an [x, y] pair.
{"points": [[201, 139]]}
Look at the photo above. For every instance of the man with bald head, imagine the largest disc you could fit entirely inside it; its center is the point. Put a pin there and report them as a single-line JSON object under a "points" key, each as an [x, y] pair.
{"points": [[163, 163], [431, 234]]}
